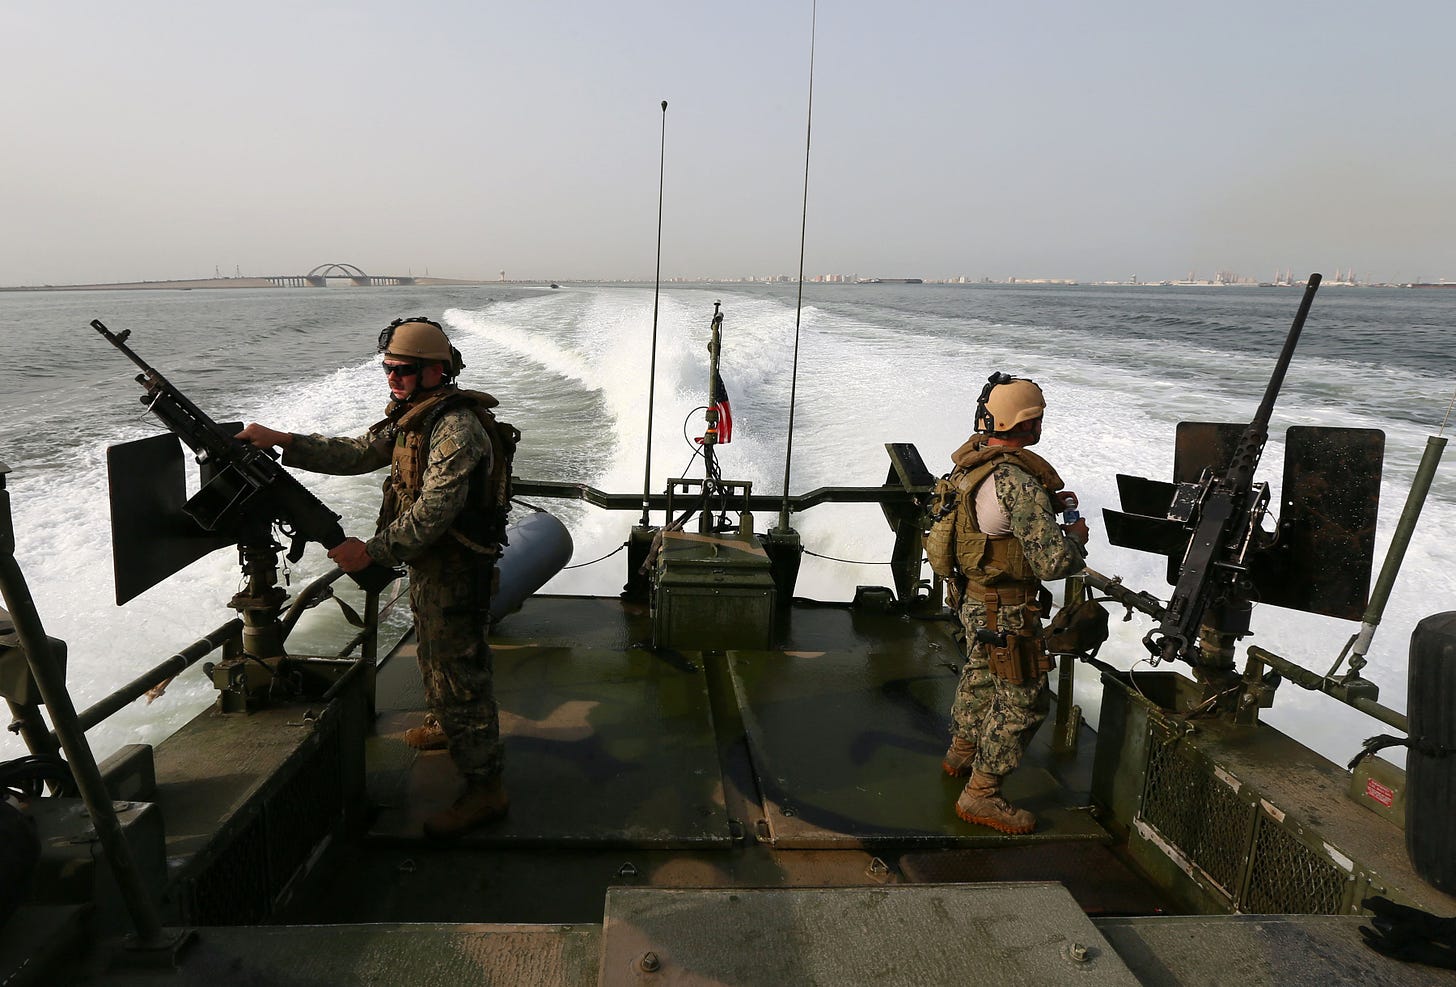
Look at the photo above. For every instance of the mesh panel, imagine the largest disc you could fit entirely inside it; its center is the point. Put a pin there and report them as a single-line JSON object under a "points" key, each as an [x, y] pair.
{"points": [[1290, 878], [304, 810], [240, 885], [233, 889], [1200, 815]]}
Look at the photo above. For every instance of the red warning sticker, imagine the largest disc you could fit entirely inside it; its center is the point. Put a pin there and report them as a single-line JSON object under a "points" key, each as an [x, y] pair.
{"points": [[1379, 792]]}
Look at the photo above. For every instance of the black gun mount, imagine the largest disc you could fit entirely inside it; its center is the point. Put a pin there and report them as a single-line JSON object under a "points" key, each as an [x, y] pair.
{"points": [[1209, 524]]}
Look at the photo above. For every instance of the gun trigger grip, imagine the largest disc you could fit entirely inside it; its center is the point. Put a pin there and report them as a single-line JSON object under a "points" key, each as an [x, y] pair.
{"points": [[296, 547]]}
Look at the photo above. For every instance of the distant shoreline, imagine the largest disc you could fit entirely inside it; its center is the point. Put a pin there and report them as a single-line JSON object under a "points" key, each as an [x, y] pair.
{"points": [[212, 284], [209, 284]]}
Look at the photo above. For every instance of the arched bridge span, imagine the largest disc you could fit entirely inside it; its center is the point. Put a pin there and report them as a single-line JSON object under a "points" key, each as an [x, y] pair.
{"points": [[320, 276]]}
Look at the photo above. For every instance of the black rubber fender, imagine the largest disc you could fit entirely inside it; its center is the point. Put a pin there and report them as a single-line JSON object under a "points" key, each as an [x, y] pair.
{"points": [[1430, 835]]}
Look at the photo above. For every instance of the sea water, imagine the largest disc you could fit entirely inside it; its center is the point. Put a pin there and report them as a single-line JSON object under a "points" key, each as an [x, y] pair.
{"points": [[1121, 366]]}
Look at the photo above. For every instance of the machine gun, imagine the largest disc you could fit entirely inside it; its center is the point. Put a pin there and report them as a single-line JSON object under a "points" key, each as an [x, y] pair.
{"points": [[244, 487], [1209, 522]]}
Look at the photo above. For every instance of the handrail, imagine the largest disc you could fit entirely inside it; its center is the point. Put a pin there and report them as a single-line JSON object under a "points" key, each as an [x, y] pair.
{"points": [[310, 596], [149, 680], [1334, 688], [898, 495]]}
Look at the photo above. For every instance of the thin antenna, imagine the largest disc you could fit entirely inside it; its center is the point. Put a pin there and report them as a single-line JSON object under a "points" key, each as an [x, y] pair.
{"points": [[656, 291], [1447, 420], [799, 305]]}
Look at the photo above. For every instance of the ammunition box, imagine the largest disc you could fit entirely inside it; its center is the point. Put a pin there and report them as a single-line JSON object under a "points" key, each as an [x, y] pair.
{"points": [[713, 593]]}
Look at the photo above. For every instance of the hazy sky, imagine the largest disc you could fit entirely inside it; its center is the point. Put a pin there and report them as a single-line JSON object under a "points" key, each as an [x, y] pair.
{"points": [[152, 140]]}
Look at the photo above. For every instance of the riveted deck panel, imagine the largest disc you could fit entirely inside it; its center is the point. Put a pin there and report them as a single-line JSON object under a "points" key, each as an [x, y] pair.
{"points": [[1010, 935]]}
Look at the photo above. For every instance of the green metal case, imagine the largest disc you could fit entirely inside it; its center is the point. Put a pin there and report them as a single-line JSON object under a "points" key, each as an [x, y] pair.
{"points": [[712, 592]]}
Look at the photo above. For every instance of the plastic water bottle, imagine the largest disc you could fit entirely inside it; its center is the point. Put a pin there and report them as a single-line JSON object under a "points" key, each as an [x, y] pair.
{"points": [[1070, 514]]}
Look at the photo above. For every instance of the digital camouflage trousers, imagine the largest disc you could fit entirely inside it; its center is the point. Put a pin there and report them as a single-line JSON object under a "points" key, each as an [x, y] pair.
{"points": [[997, 716], [450, 608]]}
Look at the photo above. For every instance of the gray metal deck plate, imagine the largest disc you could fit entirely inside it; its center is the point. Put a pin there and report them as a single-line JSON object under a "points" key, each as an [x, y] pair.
{"points": [[1249, 950], [601, 747], [414, 955], [1004, 934], [847, 746], [1093, 875]]}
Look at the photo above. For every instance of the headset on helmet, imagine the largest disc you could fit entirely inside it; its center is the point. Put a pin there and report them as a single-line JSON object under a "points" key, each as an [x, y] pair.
{"points": [[421, 339], [1006, 402]]}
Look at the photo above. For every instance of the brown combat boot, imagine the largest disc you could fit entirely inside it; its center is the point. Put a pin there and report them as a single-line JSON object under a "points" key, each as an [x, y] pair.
{"points": [[981, 803], [429, 737], [480, 803], [960, 757]]}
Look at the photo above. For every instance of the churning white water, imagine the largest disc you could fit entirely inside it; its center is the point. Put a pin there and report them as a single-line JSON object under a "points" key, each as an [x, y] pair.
{"points": [[878, 364]]}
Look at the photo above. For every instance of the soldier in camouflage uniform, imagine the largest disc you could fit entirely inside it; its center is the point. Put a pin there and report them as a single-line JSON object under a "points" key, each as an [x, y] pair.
{"points": [[1006, 541], [434, 443]]}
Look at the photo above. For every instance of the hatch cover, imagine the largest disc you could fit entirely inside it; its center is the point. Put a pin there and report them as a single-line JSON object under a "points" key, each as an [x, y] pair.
{"points": [[1005, 934]]}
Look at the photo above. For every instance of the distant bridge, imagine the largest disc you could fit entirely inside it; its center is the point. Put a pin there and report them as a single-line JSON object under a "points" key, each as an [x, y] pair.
{"points": [[319, 277]]}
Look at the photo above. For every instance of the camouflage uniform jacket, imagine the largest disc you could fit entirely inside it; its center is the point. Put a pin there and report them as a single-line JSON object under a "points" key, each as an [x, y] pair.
{"points": [[458, 445]]}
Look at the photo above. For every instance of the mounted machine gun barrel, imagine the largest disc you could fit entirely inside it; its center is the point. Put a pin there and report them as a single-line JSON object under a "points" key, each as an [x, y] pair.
{"points": [[1226, 512], [1209, 524]]}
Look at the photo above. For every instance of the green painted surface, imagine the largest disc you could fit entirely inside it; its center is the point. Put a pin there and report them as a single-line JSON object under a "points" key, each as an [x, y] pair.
{"points": [[847, 744], [602, 747]]}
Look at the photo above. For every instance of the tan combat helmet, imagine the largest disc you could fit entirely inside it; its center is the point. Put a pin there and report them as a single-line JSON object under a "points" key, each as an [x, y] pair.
{"points": [[419, 338], [1006, 402]]}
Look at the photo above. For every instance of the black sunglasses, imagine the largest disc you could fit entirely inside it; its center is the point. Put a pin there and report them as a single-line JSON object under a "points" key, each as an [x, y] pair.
{"points": [[401, 369]]}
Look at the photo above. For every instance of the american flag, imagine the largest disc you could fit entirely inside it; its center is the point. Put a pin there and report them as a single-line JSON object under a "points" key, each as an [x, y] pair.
{"points": [[725, 412]]}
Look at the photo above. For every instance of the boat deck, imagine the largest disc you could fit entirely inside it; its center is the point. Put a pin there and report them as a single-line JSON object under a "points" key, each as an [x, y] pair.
{"points": [[815, 764], [753, 817]]}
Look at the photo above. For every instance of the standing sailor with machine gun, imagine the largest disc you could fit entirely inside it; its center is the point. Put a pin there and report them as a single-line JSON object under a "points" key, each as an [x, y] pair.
{"points": [[995, 537], [444, 515]]}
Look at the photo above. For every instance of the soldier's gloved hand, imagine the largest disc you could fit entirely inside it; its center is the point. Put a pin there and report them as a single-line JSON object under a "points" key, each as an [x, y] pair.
{"points": [[351, 555], [1077, 531], [1410, 934]]}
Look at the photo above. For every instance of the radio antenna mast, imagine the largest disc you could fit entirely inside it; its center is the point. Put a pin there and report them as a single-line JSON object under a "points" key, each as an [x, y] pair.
{"points": [[656, 292], [799, 305]]}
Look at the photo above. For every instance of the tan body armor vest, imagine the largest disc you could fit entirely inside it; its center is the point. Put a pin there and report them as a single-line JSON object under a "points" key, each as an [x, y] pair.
{"points": [[411, 452], [993, 568], [985, 559]]}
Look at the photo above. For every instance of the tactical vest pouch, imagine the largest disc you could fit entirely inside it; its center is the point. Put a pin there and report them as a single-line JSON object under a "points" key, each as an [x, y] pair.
{"points": [[940, 539], [999, 560]]}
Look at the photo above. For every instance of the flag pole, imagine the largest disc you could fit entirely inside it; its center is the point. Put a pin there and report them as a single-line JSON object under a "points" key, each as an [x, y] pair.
{"points": [[711, 481]]}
